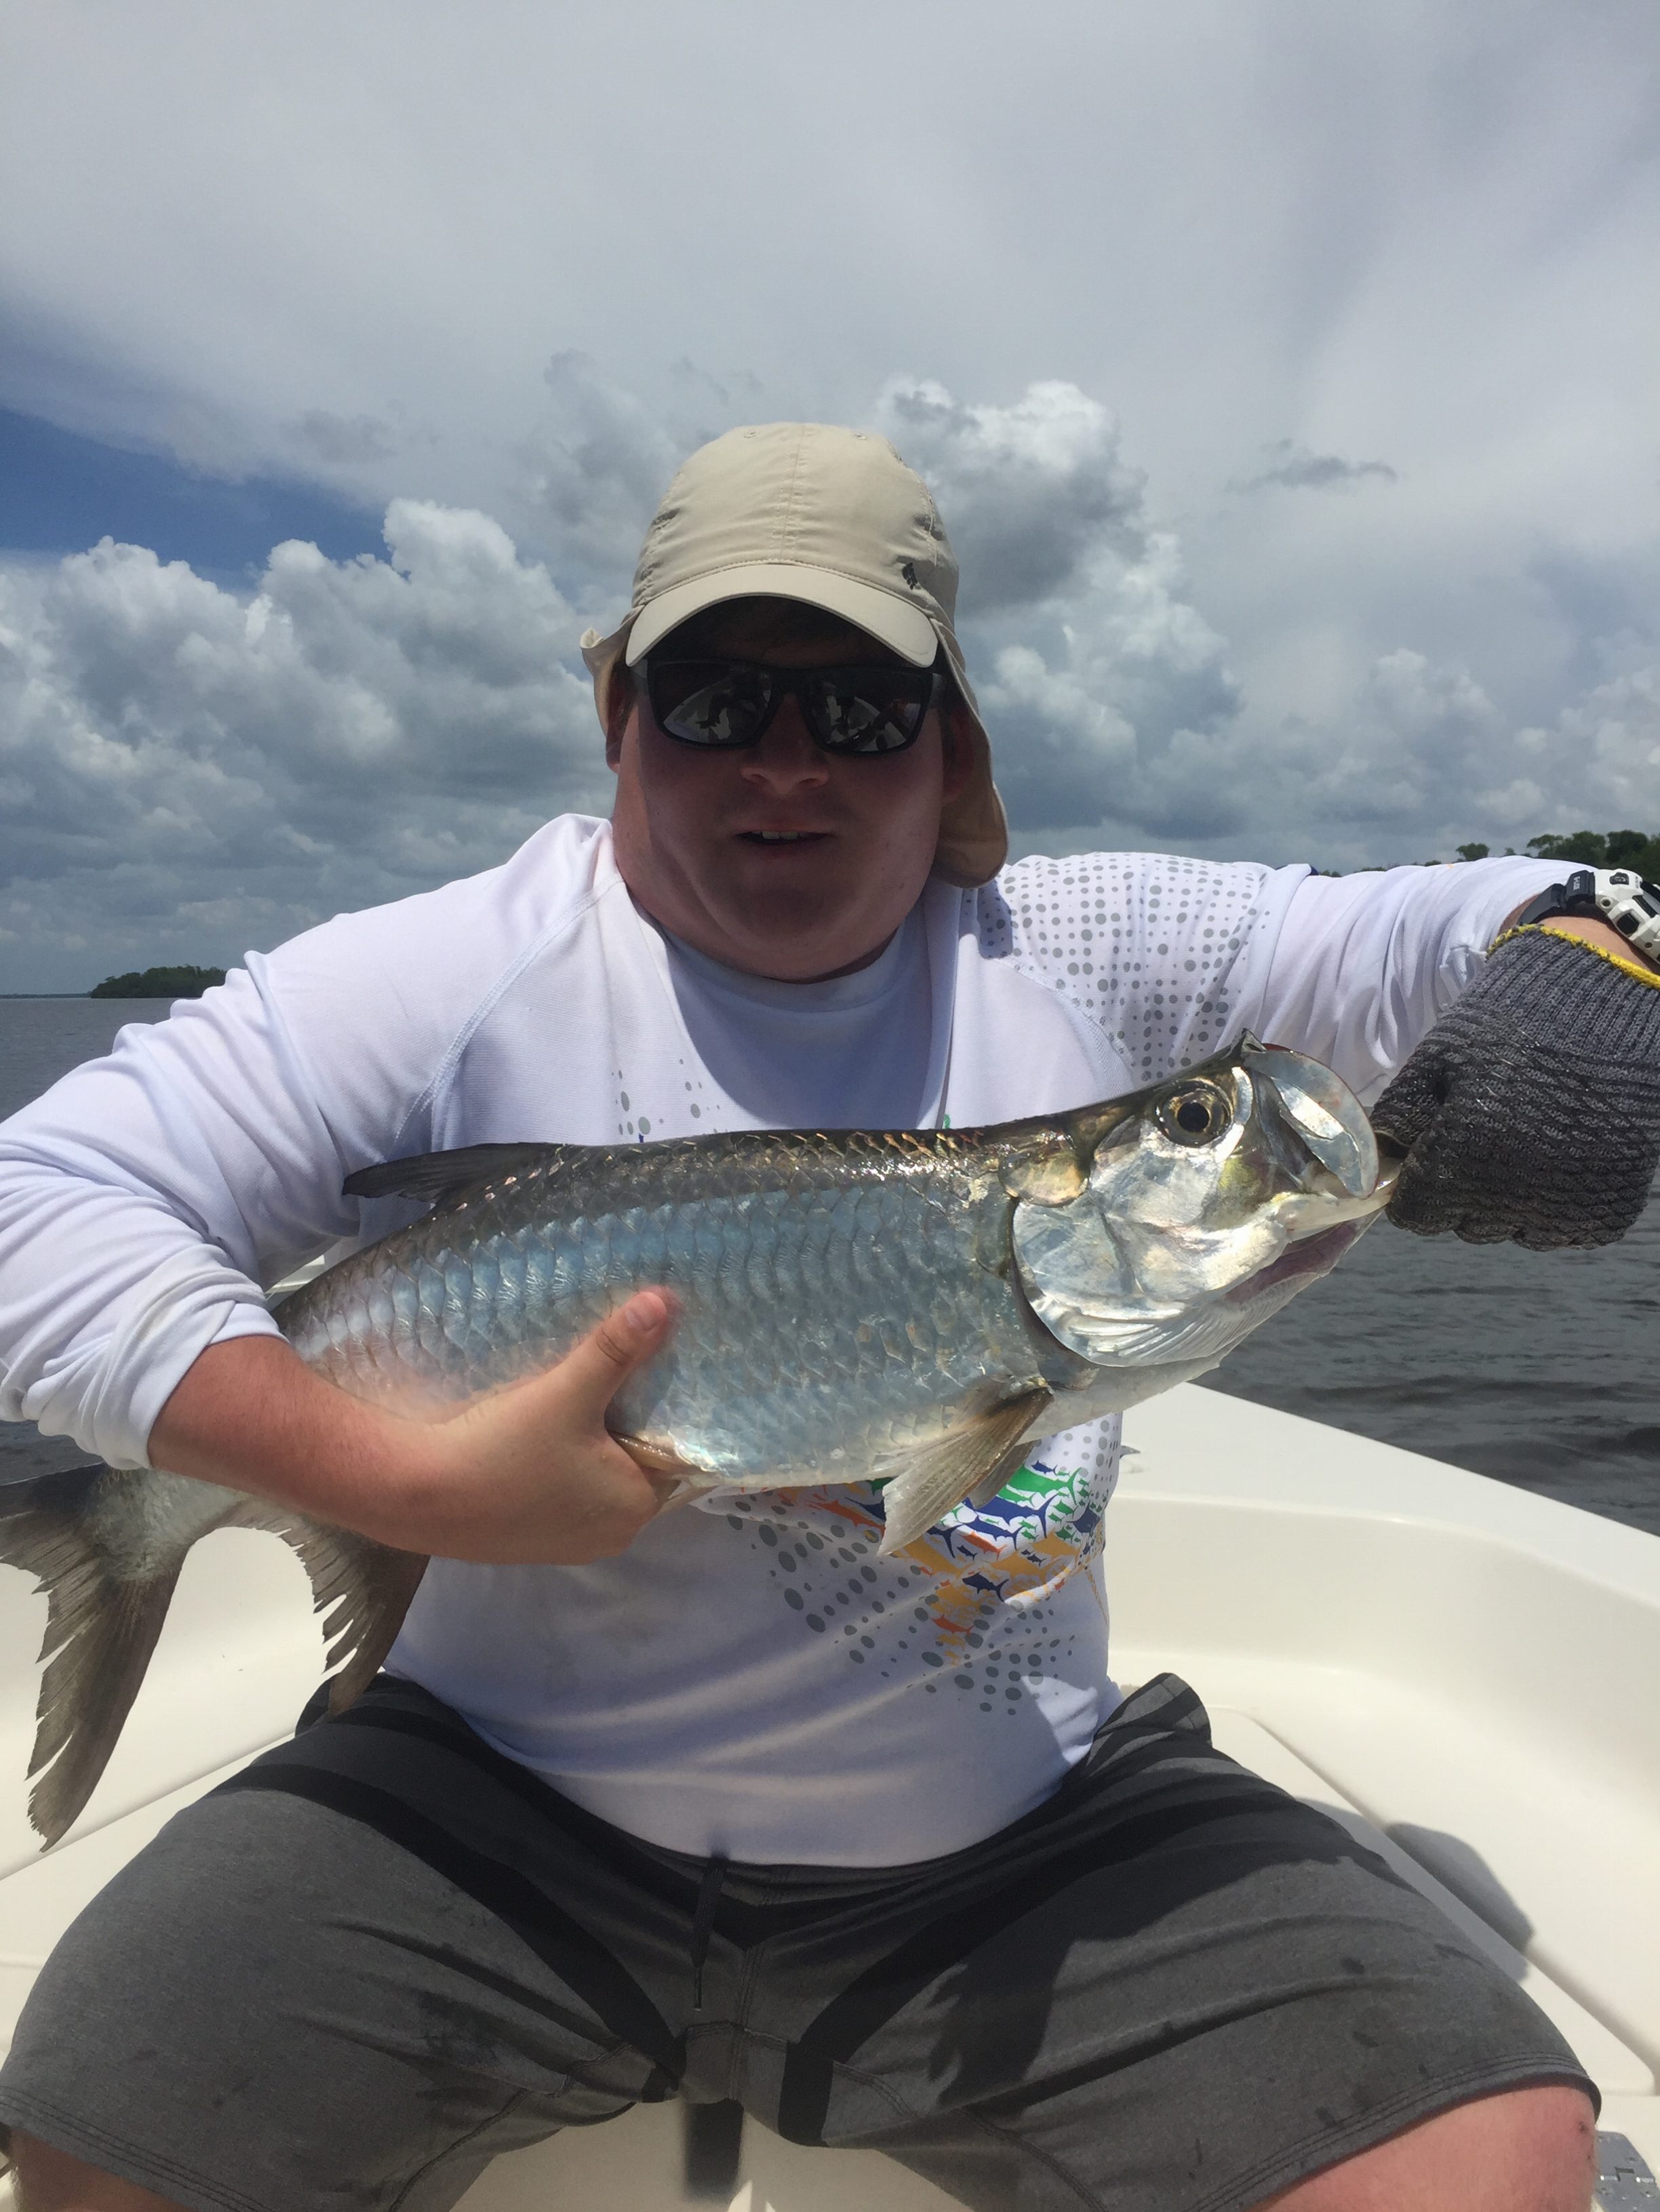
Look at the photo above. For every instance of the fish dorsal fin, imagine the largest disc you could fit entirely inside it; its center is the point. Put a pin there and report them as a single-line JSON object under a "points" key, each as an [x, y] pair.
{"points": [[101, 1629], [433, 1176], [361, 1589], [975, 1460]]}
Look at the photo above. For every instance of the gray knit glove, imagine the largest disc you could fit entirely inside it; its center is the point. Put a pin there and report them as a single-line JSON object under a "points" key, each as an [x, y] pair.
{"points": [[1531, 1111]]}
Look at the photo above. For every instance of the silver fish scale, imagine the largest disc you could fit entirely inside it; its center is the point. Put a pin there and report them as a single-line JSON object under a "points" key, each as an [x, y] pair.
{"points": [[833, 1310]]}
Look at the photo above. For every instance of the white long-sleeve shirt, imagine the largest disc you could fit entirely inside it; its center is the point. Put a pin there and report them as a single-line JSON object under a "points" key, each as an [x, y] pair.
{"points": [[751, 1680]]}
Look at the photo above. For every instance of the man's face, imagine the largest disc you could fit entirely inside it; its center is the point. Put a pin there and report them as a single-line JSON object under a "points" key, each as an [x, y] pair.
{"points": [[690, 824]]}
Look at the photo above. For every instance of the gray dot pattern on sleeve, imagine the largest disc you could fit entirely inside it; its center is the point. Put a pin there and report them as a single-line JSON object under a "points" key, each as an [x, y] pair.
{"points": [[1145, 944]]}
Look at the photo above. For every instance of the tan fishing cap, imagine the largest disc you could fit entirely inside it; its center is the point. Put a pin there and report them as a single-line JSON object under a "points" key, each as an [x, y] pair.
{"points": [[807, 511]]}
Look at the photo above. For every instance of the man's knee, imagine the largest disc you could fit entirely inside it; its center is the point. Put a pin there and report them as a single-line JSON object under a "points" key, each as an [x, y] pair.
{"points": [[53, 2180], [1522, 2150]]}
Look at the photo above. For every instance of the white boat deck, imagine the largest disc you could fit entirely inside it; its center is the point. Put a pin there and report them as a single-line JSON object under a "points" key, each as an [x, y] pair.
{"points": [[1462, 1673]]}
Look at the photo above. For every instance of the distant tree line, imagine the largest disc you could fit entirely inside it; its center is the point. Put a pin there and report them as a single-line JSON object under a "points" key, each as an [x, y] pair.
{"points": [[158, 983], [1591, 848], [1582, 848]]}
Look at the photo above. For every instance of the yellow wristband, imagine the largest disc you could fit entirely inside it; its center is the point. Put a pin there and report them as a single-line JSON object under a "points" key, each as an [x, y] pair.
{"points": [[1598, 951]]}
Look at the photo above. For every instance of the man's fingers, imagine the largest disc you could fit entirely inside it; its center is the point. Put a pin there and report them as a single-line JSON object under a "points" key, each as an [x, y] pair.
{"points": [[597, 1368], [1413, 1101]]}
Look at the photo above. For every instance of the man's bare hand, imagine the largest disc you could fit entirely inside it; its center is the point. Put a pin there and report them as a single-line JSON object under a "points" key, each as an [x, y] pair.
{"points": [[528, 1475], [531, 1474]]}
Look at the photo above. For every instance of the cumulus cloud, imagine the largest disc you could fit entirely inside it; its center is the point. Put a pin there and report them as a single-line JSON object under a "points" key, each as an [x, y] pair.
{"points": [[1107, 691], [1295, 468], [1374, 239], [179, 761], [184, 771], [593, 468], [1421, 757], [1030, 493], [1604, 752], [593, 475], [1119, 716]]}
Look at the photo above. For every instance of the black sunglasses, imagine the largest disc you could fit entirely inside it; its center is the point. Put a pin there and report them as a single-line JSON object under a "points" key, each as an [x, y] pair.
{"points": [[723, 704]]}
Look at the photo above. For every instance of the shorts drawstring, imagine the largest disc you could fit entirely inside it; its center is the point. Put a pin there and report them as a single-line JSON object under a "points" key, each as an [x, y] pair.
{"points": [[702, 1925]]}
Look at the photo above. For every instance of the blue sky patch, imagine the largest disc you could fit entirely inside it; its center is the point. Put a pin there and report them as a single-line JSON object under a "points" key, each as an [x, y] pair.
{"points": [[60, 492]]}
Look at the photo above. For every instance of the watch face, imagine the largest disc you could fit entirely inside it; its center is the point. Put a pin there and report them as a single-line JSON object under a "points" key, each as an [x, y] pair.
{"points": [[1632, 905], [1625, 883], [1613, 885]]}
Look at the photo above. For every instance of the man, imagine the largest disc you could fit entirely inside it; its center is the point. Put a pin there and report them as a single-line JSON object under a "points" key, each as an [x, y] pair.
{"points": [[719, 1801]]}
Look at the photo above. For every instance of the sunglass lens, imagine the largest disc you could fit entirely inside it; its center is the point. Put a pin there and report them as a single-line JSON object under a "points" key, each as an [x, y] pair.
{"points": [[869, 710], [707, 702]]}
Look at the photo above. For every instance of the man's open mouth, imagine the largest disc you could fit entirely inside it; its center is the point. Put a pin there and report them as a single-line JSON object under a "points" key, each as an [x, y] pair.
{"points": [[782, 836]]}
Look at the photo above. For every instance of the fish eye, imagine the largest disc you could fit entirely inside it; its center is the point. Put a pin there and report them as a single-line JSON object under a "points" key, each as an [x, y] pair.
{"points": [[1197, 1114]]}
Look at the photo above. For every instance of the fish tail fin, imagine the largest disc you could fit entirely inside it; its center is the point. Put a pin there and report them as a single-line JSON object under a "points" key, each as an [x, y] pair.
{"points": [[363, 1589], [975, 1460], [100, 1633]]}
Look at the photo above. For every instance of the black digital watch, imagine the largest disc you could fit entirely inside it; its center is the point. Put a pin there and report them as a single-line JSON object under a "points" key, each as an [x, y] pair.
{"points": [[1619, 895]]}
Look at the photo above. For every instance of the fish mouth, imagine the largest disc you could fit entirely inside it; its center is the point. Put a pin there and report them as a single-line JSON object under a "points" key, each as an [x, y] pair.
{"points": [[1308, 1257], [1325, 1114]]}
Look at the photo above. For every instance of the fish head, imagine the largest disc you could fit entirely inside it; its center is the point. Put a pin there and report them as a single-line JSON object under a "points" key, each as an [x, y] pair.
{"points": [[1207, 1202]]}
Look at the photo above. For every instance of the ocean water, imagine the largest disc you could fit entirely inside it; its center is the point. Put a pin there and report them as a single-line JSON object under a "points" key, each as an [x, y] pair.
{"points": [[41, 1039], [1538, 1367]]}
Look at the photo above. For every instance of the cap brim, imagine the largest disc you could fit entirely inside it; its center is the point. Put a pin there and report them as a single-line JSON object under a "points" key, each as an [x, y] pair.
{"points": [[903, 629]]}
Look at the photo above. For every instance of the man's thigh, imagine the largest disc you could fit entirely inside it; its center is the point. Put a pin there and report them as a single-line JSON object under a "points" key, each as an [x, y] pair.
{"points": [[311, 1991], [384, 1953], [1173, 1988]]}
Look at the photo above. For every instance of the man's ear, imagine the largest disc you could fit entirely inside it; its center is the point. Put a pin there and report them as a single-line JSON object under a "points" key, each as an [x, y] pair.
{"points": [[620, 696]]}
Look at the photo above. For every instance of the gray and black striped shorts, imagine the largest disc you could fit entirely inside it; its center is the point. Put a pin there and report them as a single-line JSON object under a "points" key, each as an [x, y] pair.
{"points": [[383, 1953]]}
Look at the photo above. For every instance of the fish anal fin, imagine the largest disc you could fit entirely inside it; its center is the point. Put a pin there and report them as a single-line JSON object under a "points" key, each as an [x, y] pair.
{"points": [[100, 1633], [973, 1462], [433, 1176], [363, 1589]]}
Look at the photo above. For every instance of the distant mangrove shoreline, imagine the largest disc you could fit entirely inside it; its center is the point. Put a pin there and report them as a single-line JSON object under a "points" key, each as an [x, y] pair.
{"points": [[1591, 848], [1586, 848], [158, 983]]}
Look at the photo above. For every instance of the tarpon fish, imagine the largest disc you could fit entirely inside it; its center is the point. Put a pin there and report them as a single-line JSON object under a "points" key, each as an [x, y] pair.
{"points": [[906, 1308]]}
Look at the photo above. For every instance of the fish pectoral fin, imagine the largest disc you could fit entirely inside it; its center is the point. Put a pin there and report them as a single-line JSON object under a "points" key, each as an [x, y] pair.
{"points": [[362, 1588], [990, 1486], [659, 1459], [974, 1462], [656, 1459], [100, 1633], [434, 1177]]}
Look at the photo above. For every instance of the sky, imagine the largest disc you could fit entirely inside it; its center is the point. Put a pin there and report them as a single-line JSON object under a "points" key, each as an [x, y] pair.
{"points": [[1285, 370]]}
